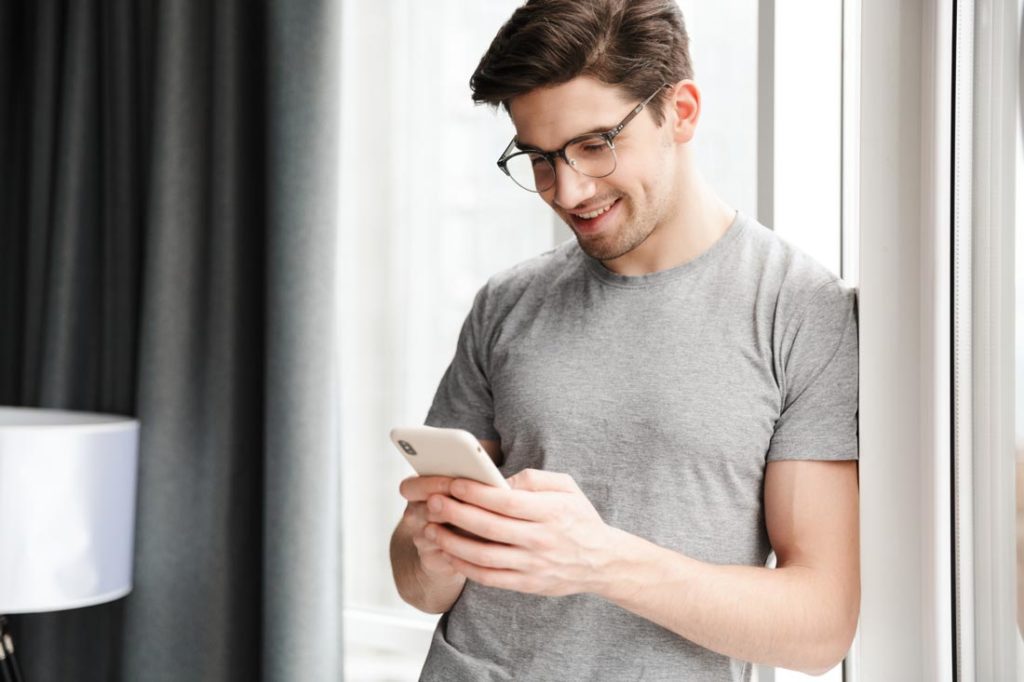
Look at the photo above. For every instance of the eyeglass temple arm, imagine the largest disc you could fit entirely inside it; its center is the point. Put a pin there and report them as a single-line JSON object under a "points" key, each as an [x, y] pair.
{"points": [[633, 114], [504, 154], [513, 145]]}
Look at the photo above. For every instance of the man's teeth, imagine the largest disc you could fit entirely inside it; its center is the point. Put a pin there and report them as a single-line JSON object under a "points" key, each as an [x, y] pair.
{"points": [[591, 216]]}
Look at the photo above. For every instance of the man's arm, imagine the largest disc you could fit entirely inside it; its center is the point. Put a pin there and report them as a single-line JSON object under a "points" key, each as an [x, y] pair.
{"points": [[801, 615], [423, 575]]}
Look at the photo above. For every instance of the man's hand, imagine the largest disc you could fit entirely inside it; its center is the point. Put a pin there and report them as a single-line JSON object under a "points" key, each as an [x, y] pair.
{"points": [[544, 537], [423, 575], [416, 490], [541, 537]]}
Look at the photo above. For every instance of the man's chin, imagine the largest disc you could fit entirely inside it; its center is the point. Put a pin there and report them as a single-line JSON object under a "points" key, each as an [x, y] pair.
{"points": [[611, 245], [600, 248]]}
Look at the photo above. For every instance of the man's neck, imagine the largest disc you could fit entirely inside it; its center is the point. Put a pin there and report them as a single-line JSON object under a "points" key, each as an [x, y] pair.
{"points": [[700, 220]]}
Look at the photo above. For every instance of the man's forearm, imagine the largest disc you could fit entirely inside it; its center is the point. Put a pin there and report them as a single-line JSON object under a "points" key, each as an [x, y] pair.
{"points": [[432, 594], [790, 617]]}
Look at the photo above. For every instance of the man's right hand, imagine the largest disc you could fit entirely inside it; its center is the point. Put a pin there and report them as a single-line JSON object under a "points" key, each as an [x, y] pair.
{"points": [[423, 576], [417, 490]]}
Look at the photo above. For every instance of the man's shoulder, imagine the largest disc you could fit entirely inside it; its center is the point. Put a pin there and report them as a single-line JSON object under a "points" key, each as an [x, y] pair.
{"points": [[796, 277], [773, 253]]}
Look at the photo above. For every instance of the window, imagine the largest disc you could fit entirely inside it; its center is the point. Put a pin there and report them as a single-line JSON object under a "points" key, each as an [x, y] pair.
{"points": [[425, 218], [1019, 393], [1018, 344], [988, 339], [1019, 390]]}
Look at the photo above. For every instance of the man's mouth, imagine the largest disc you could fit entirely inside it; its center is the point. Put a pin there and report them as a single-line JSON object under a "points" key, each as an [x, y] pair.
{"points": [[590, 215], [594, 220]]}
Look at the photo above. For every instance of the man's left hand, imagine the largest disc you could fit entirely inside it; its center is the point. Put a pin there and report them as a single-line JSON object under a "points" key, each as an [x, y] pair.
{"points": [[542, 537]]}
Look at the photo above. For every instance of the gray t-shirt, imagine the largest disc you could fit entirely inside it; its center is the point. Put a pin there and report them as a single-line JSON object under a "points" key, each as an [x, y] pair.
{"points": [[663, 396]]}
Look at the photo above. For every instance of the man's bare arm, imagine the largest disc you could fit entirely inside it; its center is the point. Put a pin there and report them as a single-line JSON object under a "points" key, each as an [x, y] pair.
{"points": [[801, 615], [424, 577]]}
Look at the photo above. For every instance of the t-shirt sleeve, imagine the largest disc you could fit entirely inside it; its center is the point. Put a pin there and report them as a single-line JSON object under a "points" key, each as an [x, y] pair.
{"points": [[819, 371], [463, 399]]}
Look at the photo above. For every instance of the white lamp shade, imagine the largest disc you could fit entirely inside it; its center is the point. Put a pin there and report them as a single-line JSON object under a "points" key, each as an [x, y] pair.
{"points": [[67, 508]]}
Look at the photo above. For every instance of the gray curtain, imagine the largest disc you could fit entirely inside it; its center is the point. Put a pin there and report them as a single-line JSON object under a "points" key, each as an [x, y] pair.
{"points": [[167, 243]]}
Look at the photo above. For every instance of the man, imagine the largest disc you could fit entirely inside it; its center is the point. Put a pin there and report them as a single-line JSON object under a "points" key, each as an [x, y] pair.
{"points": [[673, 394]]}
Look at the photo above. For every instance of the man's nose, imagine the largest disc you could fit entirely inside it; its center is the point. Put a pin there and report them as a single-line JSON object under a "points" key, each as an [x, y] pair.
{"points": [[571, 188]]}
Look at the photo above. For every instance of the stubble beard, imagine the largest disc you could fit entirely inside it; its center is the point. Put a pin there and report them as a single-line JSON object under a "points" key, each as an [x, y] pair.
{"points": [[634, 231]]}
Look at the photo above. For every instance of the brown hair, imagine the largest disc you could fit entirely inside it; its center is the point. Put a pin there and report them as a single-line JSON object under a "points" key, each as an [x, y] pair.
{"points": [[637, 45]]}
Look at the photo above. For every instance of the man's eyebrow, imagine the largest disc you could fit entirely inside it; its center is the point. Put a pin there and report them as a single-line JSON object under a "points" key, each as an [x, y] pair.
{"points": [[526, 146], [522, 146]]}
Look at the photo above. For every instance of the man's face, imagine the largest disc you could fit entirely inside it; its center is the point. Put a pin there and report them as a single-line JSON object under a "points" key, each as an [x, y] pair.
{"points": [[613, 215]]}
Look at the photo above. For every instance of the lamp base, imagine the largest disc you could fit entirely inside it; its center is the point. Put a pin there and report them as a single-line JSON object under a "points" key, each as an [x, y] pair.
{"points": [[10, 671]]}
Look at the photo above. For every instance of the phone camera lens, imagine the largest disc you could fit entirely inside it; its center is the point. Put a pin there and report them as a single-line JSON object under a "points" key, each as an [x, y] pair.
{"points": [[405, 446]]}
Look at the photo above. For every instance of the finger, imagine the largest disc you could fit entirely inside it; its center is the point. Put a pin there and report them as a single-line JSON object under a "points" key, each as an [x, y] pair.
{"points": [[481, 522], [423, 545], [419, 488], [504, 579], [487, 554], [419, 514], [432, 559], [538, 480], [517, 504], [415, 515], [438, 565], [426, 543]]}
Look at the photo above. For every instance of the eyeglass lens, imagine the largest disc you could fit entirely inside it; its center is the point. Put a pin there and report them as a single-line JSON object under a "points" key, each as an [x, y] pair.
{"points": [[591, 156]]}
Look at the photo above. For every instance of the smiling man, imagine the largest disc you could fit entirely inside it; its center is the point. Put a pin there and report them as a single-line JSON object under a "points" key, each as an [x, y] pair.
{"points": [[673, 394]]}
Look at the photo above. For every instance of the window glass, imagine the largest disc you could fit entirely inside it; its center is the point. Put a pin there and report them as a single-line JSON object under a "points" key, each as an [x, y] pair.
{"points": [[723, 46], [808, 126], [425, 217]]}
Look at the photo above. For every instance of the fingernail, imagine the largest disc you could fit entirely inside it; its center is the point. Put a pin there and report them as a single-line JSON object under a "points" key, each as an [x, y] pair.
{"points": [[431, 533], [434, 504]]}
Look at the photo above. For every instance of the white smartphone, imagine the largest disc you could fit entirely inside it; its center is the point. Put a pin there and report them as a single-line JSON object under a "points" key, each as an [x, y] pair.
{"points": [[446, 452]]}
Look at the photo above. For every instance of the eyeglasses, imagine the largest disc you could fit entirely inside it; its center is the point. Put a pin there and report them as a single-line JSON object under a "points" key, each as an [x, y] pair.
{"points": [[592, 155]]}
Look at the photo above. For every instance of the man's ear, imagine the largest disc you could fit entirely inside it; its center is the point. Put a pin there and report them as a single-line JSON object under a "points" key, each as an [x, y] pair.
{"points": [[683, 110]]}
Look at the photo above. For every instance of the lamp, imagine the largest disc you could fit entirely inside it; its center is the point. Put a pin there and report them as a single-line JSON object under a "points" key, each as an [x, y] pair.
{"points": [[67, 512]]}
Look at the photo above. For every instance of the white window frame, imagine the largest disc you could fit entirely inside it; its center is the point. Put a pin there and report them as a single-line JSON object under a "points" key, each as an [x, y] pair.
{"points": [[905, 329], [986, 148]]}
